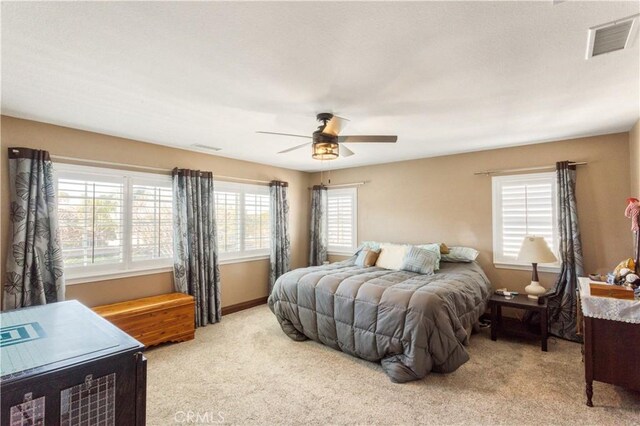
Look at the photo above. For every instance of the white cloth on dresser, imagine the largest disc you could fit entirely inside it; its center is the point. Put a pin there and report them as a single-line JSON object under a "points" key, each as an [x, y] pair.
{"points": [[608, 307]]}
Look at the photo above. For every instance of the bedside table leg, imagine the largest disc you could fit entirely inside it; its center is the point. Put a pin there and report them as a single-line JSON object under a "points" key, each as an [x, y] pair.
{"points": [[544, 328], [589, 392], [494, 321]]}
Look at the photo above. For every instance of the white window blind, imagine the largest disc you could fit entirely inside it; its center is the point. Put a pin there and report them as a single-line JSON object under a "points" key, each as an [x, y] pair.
{"points": [[256, 224], [228, 220], [242, 219], [112, 221], [341, 220], [523, 205], [152, 222], [91, 221]]}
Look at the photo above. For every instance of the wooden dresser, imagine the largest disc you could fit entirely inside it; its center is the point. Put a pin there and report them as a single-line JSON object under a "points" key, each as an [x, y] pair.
{"points": [[611, 334], [64, 365], [154, 320]]}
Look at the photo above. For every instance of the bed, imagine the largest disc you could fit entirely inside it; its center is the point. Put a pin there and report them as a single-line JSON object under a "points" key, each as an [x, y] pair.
{"points": [[411, 323]]}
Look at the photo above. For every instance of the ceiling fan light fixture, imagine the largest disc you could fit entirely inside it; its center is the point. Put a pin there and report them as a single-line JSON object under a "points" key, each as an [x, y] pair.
{"points": [[325, 150], [326, 139]]}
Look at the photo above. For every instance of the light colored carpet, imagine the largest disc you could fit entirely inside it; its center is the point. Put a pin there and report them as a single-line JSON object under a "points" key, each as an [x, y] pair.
{"points": [[246, 371]]}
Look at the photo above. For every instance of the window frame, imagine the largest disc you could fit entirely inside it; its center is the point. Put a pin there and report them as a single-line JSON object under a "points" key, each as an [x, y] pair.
{"points": [[128, 267], [341, 250], [242, 189], [497, 183]]}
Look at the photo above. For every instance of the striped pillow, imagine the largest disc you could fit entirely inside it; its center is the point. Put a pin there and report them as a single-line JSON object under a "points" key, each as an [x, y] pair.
{"points": [[420, 260], [460, 254], [435, 248]]}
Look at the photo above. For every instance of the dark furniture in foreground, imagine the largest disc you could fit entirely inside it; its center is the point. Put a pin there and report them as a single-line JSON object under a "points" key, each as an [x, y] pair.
{"points": [[611, 354], [611, 345], [63, 364], [519, 301]]}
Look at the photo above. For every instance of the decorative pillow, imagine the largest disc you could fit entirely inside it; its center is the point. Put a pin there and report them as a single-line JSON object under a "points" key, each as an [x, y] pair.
{"points": [[392, 256], [435, 248], [420, 260], [460, 254], [444, 249], [367, 257]]}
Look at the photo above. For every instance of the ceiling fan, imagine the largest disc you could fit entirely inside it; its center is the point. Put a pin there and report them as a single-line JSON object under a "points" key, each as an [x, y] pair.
{"points": [[326, 143]]}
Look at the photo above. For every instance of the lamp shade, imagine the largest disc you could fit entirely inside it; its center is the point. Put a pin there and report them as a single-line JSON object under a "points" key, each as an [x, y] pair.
{"points": [[535, 250]]}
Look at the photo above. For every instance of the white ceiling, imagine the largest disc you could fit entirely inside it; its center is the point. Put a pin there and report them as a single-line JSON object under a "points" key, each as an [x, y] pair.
{"points": [[445, 77]]}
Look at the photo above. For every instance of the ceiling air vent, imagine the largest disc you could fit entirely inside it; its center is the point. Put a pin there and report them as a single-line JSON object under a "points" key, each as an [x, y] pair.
{"points": [[206, 147], [612, 36]]}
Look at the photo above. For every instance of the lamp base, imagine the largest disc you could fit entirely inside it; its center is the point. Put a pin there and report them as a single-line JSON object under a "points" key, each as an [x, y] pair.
{"points": [[535, 290]]}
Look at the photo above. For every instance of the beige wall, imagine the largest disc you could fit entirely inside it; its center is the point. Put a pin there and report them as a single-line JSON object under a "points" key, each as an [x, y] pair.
{"points": [[431, 199], [634, 154], [240, 282], [441, 200]]}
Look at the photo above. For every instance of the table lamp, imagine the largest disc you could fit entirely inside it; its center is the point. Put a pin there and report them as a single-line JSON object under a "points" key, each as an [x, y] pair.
{"points": [[535, 250]]}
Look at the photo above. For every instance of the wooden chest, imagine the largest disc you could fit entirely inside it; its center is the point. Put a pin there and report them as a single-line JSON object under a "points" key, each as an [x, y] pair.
{"points": [[154, 320], [610, 290]]}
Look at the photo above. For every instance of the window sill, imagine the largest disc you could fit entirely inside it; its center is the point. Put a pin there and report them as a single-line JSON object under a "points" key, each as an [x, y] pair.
{"points": [[85, 279], [115, 275], [552, 269], [243, 259]]}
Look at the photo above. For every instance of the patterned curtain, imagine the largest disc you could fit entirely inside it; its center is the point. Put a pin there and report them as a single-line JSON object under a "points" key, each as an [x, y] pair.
{"points": [[280, 244], [195, 251], [318, 242], [35, 274], [563, 298]]}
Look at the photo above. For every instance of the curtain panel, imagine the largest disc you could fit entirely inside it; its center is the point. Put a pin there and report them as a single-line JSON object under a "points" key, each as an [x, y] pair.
{"points": [[318, 235], [195, 270], [34, 273], [280, 243], [563, 298]]}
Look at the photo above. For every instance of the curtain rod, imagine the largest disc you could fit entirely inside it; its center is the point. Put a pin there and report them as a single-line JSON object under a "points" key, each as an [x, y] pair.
{"points": [[525, 169], [239, 179], [344, 185], [153, 169]]}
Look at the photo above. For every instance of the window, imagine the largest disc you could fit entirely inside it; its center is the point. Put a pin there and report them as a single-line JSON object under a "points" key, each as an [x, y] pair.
{"points": [[112, 221], [242, 219], [523, 205], [342, 220]]}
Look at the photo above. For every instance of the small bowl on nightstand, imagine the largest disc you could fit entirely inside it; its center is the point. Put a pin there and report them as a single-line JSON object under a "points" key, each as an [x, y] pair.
{"points": [[598, 277]]}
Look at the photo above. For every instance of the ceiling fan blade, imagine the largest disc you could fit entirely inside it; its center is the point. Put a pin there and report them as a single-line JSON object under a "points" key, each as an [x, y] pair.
{"points": [[368, 139], [294, 148], [335, 125], [345, 152], [284, 134]]}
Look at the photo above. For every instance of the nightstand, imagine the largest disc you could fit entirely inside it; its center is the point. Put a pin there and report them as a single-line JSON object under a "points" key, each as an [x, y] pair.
{"points": [[520, 301]]}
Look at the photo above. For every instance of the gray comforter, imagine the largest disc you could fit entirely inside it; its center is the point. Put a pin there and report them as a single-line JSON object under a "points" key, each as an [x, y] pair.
{"points": [[412, 323]]}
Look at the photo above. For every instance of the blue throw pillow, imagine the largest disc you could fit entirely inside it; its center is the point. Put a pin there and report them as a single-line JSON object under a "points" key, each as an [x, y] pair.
{"points": [[420, 260]]}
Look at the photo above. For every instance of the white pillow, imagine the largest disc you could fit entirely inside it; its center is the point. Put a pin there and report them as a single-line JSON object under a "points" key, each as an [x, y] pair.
{"points": [[392, 256]]}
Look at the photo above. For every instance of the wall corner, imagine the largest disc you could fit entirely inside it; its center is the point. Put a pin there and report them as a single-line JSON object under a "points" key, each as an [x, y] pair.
{"points": [[634, 153]]}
